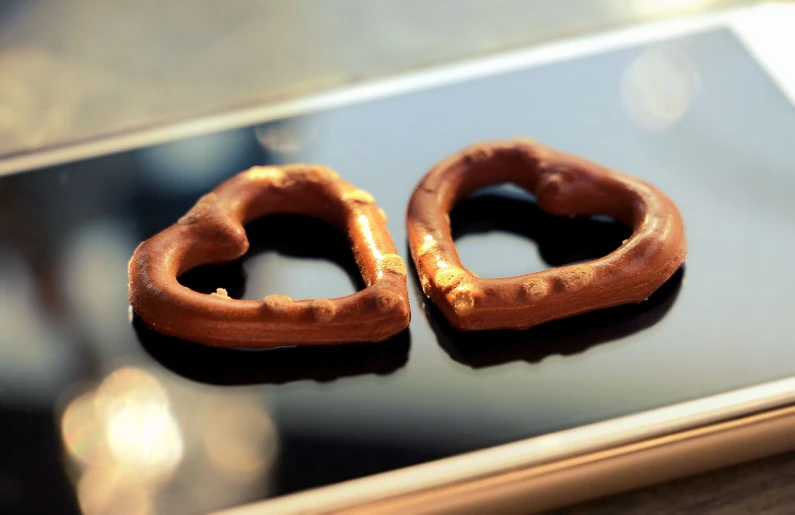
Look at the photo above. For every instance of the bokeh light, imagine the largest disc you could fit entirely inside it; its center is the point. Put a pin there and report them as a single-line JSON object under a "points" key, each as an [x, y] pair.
{"points": [[79, 429], [658, 88], [125, 441], [141, 431], [140, 442], [109, 489], [239, 437]]}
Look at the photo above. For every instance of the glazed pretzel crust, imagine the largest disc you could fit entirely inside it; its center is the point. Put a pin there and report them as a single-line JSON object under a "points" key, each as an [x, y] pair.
{"points": [[563, 185], [213, 232]]}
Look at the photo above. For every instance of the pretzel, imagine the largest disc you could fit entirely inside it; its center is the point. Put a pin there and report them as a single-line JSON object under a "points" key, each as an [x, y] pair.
{"points": [[212, 232], [564, 185]]}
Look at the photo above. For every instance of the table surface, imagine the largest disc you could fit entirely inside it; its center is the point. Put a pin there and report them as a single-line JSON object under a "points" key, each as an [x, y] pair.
{"points": [[763, 486]]}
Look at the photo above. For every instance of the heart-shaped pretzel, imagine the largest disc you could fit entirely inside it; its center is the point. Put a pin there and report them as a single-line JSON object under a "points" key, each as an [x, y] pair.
{"points": [[213, 232], [563, 185]]}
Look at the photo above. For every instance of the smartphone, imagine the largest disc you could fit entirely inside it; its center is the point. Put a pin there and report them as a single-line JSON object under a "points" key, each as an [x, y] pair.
{"points": [[106, 416]]}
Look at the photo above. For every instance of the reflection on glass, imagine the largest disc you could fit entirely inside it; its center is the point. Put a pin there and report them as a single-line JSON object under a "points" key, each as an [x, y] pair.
{"points": [[141, 431], [93, 253], [108, 488], [128, 446], [193, 164], [125, 440], [658, 88], [281, 138], [79, 428], [239, 437]]}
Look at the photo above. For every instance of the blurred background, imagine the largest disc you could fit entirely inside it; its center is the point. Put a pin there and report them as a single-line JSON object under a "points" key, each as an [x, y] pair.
{"points": [[76, 69]]}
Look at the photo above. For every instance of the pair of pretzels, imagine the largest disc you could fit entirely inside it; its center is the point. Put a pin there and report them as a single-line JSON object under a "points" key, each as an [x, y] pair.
{"points": [[213, 232]]}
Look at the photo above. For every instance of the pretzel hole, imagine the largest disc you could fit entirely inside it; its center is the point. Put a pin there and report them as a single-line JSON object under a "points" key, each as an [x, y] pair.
{"points": [[294, 255], [499, 231]]}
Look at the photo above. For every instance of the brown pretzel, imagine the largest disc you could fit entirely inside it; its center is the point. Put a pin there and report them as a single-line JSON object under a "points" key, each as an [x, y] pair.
{"points": [[563, 185], [213, 232]]}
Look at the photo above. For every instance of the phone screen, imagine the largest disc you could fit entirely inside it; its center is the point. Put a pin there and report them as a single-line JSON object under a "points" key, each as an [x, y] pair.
{"points": [[96, 409]]}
